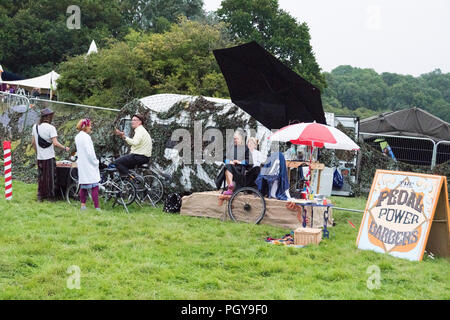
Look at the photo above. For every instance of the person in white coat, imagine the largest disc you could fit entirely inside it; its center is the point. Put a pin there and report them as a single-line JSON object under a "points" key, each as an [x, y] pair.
{"points": [[87, 162]]}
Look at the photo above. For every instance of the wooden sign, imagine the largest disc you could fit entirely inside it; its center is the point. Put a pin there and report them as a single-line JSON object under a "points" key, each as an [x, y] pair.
{"points": [[405, 214]]}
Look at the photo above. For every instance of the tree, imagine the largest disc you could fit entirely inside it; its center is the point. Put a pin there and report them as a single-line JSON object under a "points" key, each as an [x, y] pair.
{"points": [[277, 31], [181, 60], [356, 88], [146, 14], [109, 78], [35, 36], [363, 91], [177, 61]]}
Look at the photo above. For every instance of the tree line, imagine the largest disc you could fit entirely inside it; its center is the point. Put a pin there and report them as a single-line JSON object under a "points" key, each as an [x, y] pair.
{"points": [[165, 46], [364, 92]]}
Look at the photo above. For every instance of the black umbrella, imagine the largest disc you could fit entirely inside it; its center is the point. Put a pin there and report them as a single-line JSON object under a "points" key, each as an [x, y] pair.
{"points": [[265, 88]]}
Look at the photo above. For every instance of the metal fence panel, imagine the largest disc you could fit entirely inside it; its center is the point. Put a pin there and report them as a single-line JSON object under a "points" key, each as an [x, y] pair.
{"points": [[442, 152], [412, 150]]}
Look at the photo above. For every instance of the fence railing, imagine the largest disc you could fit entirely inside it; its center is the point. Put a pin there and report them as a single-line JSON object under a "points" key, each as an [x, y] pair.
{"points": [[413, 150], [442, 152], [18, 111]]}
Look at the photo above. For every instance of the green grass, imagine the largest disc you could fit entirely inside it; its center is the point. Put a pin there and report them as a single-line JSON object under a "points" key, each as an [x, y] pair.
{"points": [[150, 254]]}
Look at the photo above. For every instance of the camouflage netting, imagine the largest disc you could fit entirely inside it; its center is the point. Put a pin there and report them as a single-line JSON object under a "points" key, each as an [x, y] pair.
{"points": [[180, 177], [16, 122], [182, 115], [372, 159]]}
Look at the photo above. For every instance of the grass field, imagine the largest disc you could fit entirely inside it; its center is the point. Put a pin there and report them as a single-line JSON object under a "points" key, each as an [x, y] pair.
{"points": [[150, 254]]}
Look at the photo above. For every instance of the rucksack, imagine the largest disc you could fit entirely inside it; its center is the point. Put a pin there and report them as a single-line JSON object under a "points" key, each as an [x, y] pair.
{"points": [[172, 204]]}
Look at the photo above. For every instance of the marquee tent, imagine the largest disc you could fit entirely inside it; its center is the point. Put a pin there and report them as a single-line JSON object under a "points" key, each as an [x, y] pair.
{"points": [[420, 129], [92, 48], [46, 81], [412, 122]]}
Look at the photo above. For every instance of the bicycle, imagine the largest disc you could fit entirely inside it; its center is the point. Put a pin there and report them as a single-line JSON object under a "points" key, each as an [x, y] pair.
{"points": [[73, 190], [111, 186], [149, 188]]}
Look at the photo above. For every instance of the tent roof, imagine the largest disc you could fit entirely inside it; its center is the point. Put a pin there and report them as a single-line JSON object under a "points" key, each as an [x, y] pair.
{"points": [[413, 122], [46, 81], [92, 48]]}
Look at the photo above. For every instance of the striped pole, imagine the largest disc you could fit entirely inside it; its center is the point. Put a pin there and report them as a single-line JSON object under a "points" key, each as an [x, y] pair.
{"points": [[8, 174]]}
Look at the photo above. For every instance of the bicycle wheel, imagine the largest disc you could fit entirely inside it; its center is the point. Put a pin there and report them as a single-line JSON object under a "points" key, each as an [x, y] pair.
{"points": [[124, 190], [139, 184], [247, 205], [153, 188], [72, 193]]}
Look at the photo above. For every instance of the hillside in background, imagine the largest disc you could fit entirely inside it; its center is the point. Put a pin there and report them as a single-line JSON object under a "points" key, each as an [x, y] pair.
{"points": [[364, 92]]}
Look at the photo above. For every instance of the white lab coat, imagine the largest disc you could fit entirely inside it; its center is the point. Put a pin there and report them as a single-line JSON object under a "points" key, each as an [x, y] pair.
{"points": [[88, 171]]}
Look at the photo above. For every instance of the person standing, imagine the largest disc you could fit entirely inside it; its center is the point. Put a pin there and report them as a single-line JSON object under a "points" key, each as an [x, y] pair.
{"points": [[87, 163], [43, 141]]}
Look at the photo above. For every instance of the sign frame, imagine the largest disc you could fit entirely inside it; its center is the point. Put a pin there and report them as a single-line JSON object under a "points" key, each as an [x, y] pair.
{"points": [[406, 213]]}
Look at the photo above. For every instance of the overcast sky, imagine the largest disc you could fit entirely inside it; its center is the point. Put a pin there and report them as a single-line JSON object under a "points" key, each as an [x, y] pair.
{"points": [[400, 36]]}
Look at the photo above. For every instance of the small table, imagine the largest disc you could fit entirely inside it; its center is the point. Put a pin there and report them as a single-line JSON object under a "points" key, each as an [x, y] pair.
{"points": [[312, 204]]}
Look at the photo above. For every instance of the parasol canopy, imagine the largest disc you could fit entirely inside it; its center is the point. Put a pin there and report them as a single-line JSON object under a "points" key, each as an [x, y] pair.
{"points": [[314, 135]]}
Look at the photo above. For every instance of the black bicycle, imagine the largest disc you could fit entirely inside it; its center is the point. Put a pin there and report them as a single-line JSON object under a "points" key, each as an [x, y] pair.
{"points": [[149, 188], [113, 187], [247, 205]]}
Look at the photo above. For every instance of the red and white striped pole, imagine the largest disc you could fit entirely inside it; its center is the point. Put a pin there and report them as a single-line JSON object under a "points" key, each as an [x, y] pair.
{"points": [[7, 164]]}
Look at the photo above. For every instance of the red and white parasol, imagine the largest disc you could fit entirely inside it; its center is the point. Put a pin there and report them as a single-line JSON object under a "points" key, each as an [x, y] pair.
{"points": [[314, 135]]}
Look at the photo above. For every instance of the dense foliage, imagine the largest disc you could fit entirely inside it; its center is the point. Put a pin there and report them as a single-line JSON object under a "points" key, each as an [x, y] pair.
{"points": [[177, 61], [40, 26], [364, 92], [276, 30]]}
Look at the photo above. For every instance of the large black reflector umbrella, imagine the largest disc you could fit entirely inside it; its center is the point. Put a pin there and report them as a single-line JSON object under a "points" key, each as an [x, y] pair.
{"points": [[265, 88]]}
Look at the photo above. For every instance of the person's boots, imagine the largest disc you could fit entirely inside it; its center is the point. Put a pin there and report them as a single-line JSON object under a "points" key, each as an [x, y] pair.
{"points": [[229, 192]]}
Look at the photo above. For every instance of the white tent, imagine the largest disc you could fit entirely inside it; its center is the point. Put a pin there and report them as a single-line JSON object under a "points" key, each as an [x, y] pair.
{"points": [[46, 81], [92, 48]]}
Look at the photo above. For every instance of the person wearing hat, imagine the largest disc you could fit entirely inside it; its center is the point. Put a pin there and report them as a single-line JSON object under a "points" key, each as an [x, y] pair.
{"points": [[43, 141], [141, 146]]}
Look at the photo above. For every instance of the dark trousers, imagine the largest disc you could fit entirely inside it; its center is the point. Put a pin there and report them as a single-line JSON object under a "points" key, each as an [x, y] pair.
{"points": [[129, 161]]}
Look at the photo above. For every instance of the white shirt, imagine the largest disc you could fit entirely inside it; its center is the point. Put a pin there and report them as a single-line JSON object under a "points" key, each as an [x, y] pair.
{"points": [[87, 162], [258, 157], [47, 132]]}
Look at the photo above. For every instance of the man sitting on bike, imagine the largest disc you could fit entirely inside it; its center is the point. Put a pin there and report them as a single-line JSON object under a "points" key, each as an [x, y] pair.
{"points": [[141, 146]]}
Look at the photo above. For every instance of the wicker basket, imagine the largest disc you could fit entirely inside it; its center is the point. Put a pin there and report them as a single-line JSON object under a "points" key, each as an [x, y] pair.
{"points": [[305, 236]]}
